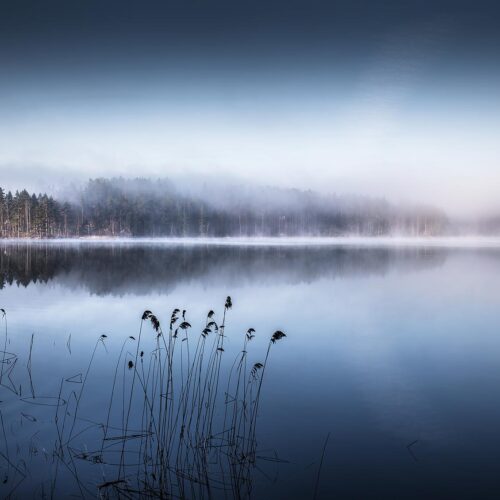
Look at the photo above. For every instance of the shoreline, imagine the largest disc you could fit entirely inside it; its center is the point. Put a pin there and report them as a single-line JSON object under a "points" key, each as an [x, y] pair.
{"points": [[282, 241]]}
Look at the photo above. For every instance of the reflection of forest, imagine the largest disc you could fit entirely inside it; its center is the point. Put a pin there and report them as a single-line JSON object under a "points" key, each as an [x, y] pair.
{"points": [[118, 269]]}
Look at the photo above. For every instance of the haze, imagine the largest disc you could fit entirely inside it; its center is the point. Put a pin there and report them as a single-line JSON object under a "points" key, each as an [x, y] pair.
{"points": [[371, 98]]}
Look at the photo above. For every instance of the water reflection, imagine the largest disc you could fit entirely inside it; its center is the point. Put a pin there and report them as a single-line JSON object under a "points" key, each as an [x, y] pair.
{"points": [[385, 347], [120, 269]]}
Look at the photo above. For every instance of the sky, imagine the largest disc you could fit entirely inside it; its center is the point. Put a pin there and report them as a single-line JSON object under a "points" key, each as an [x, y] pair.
{"points": [[395, 99]]}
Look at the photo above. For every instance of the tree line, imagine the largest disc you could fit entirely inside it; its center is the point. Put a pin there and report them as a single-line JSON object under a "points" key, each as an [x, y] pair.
{"points": [[143, 207]]}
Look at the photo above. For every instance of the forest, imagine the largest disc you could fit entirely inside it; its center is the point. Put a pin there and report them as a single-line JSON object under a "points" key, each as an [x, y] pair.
{"points": [[144, 207]]}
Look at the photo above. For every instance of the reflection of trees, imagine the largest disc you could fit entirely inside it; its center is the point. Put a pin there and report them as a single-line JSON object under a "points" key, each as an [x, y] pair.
{"points": [[116, 269]]}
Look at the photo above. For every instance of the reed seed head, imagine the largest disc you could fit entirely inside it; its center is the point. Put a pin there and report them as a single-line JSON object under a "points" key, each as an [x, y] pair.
{"points": [[277, 335]]}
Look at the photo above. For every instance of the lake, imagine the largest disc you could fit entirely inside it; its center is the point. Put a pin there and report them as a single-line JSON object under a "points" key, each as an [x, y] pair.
{"points": [[385, 386]]}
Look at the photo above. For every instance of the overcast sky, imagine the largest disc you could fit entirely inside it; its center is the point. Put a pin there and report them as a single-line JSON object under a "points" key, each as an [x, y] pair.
{"points": [[388, 98]]}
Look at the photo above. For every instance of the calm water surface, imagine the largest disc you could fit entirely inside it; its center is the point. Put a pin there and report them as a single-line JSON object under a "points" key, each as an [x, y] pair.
{"points": [[392, 352]]}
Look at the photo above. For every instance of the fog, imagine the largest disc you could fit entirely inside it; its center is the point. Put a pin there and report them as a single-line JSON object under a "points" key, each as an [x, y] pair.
{"points": [[327, 170], [384, 100], [203, 207]]}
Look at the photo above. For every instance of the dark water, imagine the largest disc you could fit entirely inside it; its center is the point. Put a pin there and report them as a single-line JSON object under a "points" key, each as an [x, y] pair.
{"points": [[392, 352]]}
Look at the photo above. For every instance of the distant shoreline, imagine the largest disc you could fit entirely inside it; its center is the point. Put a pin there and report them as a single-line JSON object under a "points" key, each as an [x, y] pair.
{"points": [[339, 241]]}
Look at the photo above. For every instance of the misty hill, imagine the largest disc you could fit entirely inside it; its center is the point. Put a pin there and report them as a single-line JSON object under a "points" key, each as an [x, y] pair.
{"points": [[145, 207]]}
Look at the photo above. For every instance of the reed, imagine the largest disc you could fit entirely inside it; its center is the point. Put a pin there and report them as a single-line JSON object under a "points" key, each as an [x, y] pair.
{"points": [[174, 432]]}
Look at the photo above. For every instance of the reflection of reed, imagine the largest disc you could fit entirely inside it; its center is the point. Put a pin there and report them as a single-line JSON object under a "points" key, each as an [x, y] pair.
{"points": [[168, 430], [139, 269], [9, 360]]}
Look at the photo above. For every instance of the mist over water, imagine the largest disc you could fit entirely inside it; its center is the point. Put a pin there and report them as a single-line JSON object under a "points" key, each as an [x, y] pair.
{"points": [[249, 249]]}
